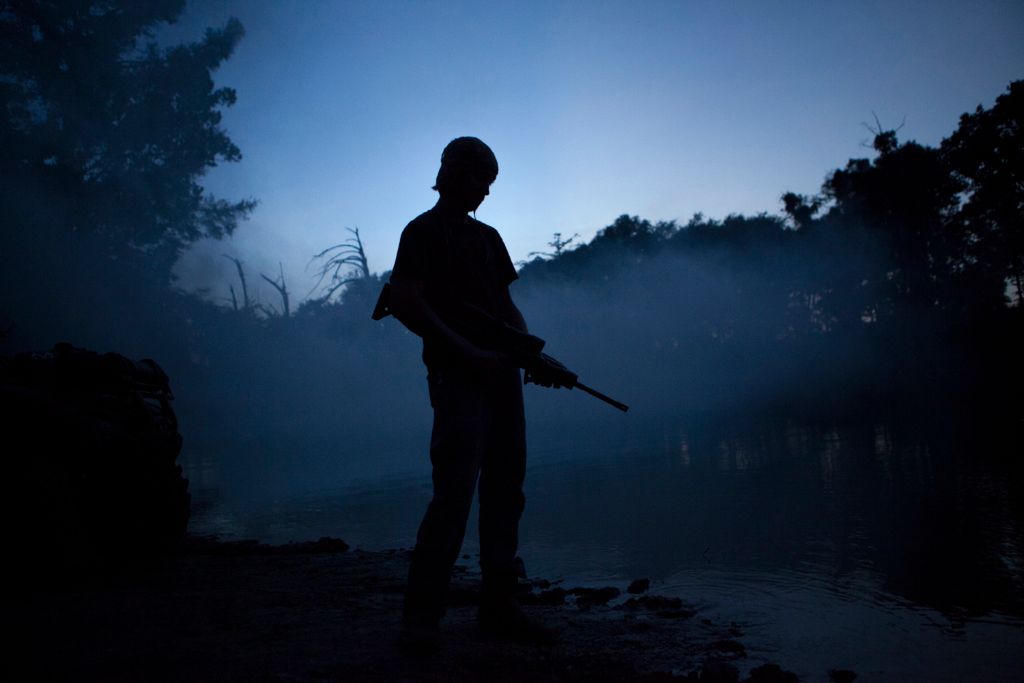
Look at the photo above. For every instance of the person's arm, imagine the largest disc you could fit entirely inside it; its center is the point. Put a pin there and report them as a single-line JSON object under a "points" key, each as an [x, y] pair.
{"points": [[411, 309], [545, 370], [509, 312]]}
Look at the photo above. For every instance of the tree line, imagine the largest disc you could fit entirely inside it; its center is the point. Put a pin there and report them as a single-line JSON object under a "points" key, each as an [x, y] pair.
{"points": [[915, 252], [916, 230]]}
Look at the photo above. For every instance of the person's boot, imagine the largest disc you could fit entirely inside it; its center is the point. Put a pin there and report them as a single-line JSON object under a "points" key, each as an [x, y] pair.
{"points": [[501, 617], [420, 636], [421, 618], [422, 611], [507, 621]]}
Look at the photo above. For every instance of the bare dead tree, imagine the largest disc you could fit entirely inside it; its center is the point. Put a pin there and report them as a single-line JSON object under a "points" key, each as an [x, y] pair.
{"points": [[341, 264], [280, 287], [884, 141], [558, 244], [245, 289]]}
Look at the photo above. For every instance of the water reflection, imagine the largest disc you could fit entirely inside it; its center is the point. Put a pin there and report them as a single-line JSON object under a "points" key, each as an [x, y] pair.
{"points": [[883, 529]]}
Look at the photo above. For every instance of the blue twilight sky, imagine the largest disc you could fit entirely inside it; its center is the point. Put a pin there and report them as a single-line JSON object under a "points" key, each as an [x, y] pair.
{"points": [[594, 109]]}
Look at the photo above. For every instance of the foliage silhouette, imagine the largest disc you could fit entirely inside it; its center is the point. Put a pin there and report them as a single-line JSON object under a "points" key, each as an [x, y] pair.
{"points": [[107, 135], [904, 269], [986, 155]]}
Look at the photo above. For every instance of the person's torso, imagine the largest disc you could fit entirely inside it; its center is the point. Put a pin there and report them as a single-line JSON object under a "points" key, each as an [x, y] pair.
{"points": [[465, 262]]}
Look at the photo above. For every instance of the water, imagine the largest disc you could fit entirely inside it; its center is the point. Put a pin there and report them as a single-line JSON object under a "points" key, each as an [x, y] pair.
{"points": [[895, 549]]}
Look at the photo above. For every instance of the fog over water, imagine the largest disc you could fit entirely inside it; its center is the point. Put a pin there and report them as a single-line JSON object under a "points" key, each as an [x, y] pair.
{"points": [[760, 472], [828, 542]]}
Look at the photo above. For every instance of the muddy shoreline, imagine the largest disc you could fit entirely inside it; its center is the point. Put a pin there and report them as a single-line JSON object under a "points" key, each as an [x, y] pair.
{"points": [[322, 612]]}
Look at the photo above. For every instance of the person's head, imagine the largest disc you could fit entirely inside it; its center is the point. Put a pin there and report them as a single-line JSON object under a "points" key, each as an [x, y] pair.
{"points": [[468, 167]]}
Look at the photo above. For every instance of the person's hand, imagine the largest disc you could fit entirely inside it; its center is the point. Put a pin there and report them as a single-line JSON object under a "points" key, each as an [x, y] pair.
{"points": [[548, 372]]}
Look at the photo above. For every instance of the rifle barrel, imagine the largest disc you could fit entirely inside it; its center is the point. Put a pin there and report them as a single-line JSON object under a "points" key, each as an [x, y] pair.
{"points": [[597, 394]]}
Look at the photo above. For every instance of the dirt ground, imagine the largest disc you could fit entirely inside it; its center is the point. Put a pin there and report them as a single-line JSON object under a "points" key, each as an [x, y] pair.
{"points": [[316, 612]]}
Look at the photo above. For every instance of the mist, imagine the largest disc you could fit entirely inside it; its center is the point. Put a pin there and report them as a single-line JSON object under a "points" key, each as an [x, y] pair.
{"points": [[824, 396]]}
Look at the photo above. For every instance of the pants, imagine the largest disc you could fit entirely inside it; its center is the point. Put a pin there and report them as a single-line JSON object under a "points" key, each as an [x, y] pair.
{"points": [[479, 432]]}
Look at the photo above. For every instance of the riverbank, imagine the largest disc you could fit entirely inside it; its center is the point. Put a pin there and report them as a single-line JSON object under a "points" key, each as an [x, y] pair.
{"points": [[319, 612]]}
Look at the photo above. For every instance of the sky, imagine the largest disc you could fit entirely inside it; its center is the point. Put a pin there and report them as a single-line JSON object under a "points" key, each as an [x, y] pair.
{"points": [[593, 109]]}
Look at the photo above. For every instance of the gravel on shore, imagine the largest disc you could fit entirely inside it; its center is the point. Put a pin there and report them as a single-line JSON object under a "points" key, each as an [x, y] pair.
{"points": [[318, 611]]}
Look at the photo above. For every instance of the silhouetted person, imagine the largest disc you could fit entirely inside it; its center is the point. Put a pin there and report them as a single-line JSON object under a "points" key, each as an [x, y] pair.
{"points": [[446, 259]]}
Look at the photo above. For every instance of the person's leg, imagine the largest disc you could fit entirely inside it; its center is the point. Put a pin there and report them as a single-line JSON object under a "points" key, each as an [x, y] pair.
{"points": [[503, 469], [456, 445]]}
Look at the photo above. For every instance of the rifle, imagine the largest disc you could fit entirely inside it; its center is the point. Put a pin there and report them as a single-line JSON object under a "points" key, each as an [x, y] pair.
{"points": [[576, 383], [524, 349]]}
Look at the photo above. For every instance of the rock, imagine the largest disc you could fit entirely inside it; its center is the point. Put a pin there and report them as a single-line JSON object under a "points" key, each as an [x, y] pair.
{"points": [[653, 603], [841, 676], [730, 647], [771, 673], [639, 586], [675, 613], [91, 444], [555, 596], [638, 624], [211, 545], [719, 672], [323, 545], [588, 597]]}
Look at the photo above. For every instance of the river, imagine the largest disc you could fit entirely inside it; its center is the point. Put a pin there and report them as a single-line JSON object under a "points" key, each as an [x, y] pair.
{"points": [[894, 548]]}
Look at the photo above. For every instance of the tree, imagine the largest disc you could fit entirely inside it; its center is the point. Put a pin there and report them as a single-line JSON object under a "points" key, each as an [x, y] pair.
{"points": [[105, 137], [633, 233], [903, 198], [800, 209], [986, 153], [341, 264], [282, 289], [557, 244]]}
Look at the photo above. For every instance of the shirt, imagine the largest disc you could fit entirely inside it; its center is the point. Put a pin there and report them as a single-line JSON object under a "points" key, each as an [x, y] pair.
{"points": [[457, 259]]}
